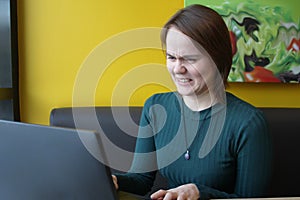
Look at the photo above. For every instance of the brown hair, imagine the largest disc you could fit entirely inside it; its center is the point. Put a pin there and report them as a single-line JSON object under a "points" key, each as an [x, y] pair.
{"points": [[206, 27]]}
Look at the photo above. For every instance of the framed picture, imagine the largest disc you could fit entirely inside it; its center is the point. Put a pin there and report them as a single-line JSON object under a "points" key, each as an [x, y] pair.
{"points": [[265, 38]]}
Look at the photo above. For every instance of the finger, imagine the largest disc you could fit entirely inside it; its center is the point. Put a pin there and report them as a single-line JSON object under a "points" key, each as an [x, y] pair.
{"points": [[169, 196], [158, 194], [181, 198], [115, 181]]}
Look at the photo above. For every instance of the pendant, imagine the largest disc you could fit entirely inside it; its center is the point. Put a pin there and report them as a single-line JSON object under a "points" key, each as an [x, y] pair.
{"points": [[187, 155]]}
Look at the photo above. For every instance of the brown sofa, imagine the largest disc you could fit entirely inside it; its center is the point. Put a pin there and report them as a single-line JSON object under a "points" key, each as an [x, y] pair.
{"points": [[284, 124]]}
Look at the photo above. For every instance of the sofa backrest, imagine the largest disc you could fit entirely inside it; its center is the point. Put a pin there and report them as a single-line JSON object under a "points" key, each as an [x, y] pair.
{"points": [[284, 125]]}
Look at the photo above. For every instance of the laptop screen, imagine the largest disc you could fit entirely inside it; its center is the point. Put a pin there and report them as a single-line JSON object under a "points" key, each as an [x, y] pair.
{"points": [[43, 162]]}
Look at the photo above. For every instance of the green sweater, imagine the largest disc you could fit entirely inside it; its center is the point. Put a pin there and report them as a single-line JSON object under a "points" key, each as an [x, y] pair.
{"points": [[229, 147]]}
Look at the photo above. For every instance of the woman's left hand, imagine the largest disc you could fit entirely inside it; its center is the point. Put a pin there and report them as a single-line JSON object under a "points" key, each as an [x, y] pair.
{"points": [[183, 192]]}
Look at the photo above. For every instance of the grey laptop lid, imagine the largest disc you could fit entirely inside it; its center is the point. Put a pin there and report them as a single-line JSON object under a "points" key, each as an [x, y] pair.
{"points": [[42, 162]]}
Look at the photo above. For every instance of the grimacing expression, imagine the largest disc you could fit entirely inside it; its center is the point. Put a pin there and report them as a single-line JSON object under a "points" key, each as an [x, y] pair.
{"points": [[191, 68]]}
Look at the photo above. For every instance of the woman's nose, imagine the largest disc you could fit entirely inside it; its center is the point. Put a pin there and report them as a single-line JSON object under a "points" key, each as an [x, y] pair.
{"points": [[179, 67]]}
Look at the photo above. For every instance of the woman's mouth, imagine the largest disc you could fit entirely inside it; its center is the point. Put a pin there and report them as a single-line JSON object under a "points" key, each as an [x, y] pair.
{"points": [[183, 80]]}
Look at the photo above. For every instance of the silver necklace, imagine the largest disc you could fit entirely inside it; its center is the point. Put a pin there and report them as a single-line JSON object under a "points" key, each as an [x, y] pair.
{"points": [[187, 153]]}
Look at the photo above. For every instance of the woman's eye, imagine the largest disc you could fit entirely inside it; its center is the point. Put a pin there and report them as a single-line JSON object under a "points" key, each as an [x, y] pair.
{"points": [[172, 58], [191, 60]]}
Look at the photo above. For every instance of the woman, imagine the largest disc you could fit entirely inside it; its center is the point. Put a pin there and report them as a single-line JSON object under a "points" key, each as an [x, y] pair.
{"points": [[205, 141]]}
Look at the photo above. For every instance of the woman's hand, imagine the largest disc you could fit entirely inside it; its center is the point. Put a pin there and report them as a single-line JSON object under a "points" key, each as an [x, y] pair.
{"points": [[183, 192], [115, 181]]}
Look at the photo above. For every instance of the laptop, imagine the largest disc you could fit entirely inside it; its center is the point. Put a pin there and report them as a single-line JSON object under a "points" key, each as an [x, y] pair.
{"points": [[43, 162]]}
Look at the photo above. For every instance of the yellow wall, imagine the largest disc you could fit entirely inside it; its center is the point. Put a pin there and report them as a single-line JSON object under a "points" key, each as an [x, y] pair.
{"points": [[57, 42]]}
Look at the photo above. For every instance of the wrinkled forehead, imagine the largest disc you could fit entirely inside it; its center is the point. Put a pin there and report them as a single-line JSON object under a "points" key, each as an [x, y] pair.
{"points": [[179, 44]]}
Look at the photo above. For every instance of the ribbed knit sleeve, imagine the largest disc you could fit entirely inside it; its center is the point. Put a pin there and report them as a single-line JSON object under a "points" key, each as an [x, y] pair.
{"points": [[139, 180], [254, 155], [253, 152]]}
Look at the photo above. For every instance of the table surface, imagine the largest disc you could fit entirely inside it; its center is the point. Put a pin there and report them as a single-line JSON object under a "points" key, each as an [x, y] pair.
{"points": [[128, 196], [273, 198]]}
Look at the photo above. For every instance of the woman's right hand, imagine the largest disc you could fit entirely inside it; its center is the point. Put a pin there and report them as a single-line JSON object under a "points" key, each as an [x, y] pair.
{"points": [[115, 181]]}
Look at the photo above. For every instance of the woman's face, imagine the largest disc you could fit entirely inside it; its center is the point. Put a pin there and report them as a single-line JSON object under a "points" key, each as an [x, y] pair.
{"points": [[192, 69]]}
